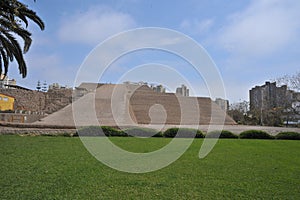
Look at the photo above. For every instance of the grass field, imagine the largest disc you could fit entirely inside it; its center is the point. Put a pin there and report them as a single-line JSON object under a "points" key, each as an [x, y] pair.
{"points": [[61, 168]]}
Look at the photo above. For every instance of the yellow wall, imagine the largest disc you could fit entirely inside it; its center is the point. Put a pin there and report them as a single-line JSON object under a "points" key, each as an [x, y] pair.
{"points": [[6, 102]]}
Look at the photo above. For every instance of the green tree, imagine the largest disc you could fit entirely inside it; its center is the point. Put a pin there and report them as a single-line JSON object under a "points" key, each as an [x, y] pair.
{"points": [[239, 112], [14, 17]]}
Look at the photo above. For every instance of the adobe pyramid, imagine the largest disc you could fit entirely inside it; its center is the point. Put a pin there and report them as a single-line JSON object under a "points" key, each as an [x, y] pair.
{"points": [[130, 105]]}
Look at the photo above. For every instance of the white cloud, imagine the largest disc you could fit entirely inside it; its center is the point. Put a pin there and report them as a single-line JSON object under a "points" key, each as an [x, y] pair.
{"points": [[263, 28], [94, 25], [196, 26]]}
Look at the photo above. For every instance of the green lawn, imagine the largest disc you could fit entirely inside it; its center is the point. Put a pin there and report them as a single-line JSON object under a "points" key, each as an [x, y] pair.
{"points": [[61, 168]]}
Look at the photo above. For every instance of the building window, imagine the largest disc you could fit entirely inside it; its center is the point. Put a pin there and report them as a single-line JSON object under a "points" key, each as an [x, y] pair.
{"points": [[5, 99], [0, 98]]}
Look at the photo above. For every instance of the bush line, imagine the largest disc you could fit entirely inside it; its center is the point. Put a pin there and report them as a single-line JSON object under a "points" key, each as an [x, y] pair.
{"points": [[183, 133], [177, 132]]}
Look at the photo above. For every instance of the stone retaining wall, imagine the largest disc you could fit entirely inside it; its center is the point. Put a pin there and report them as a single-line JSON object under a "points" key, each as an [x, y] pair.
{"points": [[35, 132], [19, 118], [57, 99], [42, 102], [26, 99]]}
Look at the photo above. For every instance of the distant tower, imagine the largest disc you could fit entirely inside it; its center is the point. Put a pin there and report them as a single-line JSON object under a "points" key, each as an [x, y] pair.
{"points": [[38, 86], [183, 91], [223, 103], [158, 88], [44, 88]]}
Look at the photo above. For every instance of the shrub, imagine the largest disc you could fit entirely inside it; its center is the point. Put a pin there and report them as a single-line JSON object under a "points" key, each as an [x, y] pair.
{"points": [[89, 131], [100, 131], [221, 134], [170, 133], [255, 134], [184, 132], [159, 134], [199, 134], [109, 131], [75, 134], [288, 136], [143, 132], [66, 134]]}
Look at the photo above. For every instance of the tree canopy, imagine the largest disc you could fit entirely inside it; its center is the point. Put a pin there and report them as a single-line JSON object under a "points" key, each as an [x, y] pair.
{"points": [[292, 81], [14, 20]]}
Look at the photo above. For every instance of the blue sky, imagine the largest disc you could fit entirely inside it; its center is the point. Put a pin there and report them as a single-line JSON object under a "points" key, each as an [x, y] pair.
{"points": [[250, 41]]}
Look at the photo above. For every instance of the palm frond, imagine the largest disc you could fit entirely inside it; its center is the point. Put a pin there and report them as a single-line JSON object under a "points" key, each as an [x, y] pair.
{"points": [[13, 16]]}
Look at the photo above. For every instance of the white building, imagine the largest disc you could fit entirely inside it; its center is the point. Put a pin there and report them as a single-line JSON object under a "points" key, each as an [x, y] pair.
{"points": [[183, 91], [57, 86], [223, 103], [5, 82]]}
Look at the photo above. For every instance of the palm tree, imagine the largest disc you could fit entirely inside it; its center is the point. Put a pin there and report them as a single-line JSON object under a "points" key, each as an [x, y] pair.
{"points": [[14, 17]]}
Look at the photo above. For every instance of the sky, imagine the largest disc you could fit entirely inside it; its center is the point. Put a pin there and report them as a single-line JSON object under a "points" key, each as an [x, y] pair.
{"points": [[250, 41]]}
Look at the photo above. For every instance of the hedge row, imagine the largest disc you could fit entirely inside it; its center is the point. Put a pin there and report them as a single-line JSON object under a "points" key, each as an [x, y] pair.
{"points": [[100, 131], [111, 132], [255, 134], [182, 133], [221, 134], [288, 136]]}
